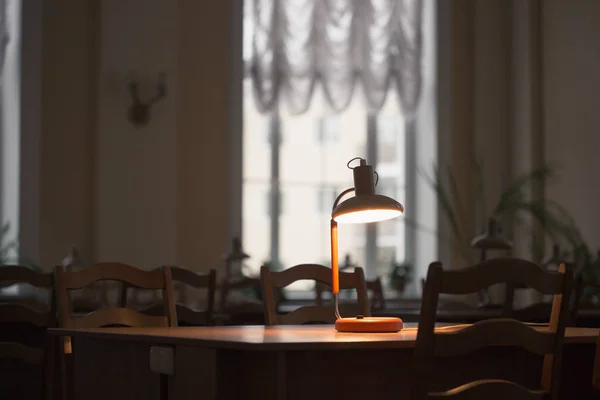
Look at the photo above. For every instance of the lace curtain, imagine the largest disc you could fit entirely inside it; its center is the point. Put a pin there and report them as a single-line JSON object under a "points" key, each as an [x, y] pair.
{"points": [[3, 34], [338, 44]]}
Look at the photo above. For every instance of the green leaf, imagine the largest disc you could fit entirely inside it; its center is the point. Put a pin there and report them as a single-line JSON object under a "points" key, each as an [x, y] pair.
{"points": [[513, 195], [447, 208]]}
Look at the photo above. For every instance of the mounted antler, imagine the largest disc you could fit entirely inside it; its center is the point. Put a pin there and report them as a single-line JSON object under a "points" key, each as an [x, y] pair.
{"points": [[139, 112]]}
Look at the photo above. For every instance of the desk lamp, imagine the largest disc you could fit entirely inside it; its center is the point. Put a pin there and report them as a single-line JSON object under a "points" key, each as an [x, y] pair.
{"points": [[233, 260], [364, 207], [491, 239]]}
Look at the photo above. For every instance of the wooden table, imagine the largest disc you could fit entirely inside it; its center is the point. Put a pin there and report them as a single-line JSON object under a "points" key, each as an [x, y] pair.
{"points": [[293, 362]]}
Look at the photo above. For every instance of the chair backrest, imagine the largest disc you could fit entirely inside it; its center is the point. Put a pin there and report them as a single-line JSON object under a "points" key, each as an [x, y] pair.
{"points": [[273, 280], [185, 314], [540, 311], [16, 313], [157, 279], [545, 341]]}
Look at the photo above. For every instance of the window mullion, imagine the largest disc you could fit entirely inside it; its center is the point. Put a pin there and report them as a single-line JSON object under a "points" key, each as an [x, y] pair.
{"points": [[371, 229], [410, 195], [275, 186]]}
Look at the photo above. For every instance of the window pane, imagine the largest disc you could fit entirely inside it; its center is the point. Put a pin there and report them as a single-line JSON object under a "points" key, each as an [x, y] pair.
{"points": [[391, 167], [314, 150], [256, 183]]}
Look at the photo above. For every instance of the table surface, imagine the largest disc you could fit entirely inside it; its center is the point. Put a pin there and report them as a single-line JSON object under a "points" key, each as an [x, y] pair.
{"points": [[290, 337]]}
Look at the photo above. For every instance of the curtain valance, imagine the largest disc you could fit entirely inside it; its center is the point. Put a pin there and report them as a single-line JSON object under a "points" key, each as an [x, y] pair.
{"points": [[338, 44]]}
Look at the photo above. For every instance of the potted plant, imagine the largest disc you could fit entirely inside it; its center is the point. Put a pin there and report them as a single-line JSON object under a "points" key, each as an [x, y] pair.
{"points": [[400, 275], [512, 206]]}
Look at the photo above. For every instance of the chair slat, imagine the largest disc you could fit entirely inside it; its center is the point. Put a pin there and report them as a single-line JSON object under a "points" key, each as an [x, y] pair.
{"points": [[271, 280], [118, 316], [19, 313], [301, 315], [192, 278], [493, 332], [114, 272], [490, 389], [21, 352], [501, 270], [319, 273], [11, 274], [187, 316]]}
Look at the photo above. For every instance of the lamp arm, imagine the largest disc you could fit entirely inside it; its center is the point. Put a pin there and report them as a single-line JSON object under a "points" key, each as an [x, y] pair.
{"points": [[337, 199], [335, 269]]}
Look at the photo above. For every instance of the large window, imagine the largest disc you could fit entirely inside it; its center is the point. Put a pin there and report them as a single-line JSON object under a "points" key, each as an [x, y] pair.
{"points": [[10, 115], [294, 166]]}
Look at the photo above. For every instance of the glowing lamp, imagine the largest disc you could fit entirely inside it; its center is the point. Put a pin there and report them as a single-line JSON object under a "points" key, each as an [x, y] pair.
{"points": [[364, 207]]}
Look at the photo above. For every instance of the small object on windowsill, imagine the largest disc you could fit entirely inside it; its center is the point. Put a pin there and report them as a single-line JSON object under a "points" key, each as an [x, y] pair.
{"points": [[233, 260], [555, 259], [491, 239], [400, 275]]}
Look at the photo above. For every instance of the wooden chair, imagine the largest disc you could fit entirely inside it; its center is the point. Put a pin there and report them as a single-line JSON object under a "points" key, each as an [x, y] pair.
{"points": [[186, 316], [158, 279], [112, 316], [546, 341], [17, 321], [276, 280]]}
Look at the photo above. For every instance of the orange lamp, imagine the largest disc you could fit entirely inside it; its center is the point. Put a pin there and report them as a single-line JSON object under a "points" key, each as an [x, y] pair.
{"points": [[364, 207]]}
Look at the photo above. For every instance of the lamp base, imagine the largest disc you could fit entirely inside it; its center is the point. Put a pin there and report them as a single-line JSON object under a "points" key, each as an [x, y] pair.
{"points": [[368, 324]]}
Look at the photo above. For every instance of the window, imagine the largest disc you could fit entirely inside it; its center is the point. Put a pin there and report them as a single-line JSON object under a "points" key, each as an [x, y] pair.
{"points": [[328, 130], [306, 166], [10, 115], [327, 195]]}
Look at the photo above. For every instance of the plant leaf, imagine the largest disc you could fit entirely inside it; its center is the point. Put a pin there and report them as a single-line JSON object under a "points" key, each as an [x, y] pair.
{"points": [[513, 195]]}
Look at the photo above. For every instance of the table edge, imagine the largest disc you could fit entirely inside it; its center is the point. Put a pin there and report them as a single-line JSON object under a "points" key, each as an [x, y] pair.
{"points": [[237, 345]]}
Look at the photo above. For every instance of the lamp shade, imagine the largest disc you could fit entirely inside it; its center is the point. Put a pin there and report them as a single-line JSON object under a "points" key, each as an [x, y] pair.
{"points": [[367, 208], [237, 253]]}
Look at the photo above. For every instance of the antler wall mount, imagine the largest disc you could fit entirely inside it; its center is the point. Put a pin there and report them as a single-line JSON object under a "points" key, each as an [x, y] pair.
{"points": [[139, 111]]}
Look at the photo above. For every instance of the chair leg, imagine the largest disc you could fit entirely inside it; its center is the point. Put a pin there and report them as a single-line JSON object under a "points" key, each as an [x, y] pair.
{"points": [[48, 369], [66, 372], [164, 387]]}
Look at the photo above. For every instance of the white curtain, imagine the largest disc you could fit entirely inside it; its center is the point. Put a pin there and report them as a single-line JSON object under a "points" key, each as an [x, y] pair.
{"points": [[3, 34], [338, 44]]}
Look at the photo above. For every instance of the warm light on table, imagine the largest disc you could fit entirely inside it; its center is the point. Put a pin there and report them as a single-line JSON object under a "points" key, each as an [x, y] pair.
{"points": [[364, 207]]}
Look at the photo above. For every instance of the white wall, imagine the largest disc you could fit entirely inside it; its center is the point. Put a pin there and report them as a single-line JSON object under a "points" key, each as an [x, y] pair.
{"points": [[572, 108], [135, 174], [159, 194], [162, 191]]}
